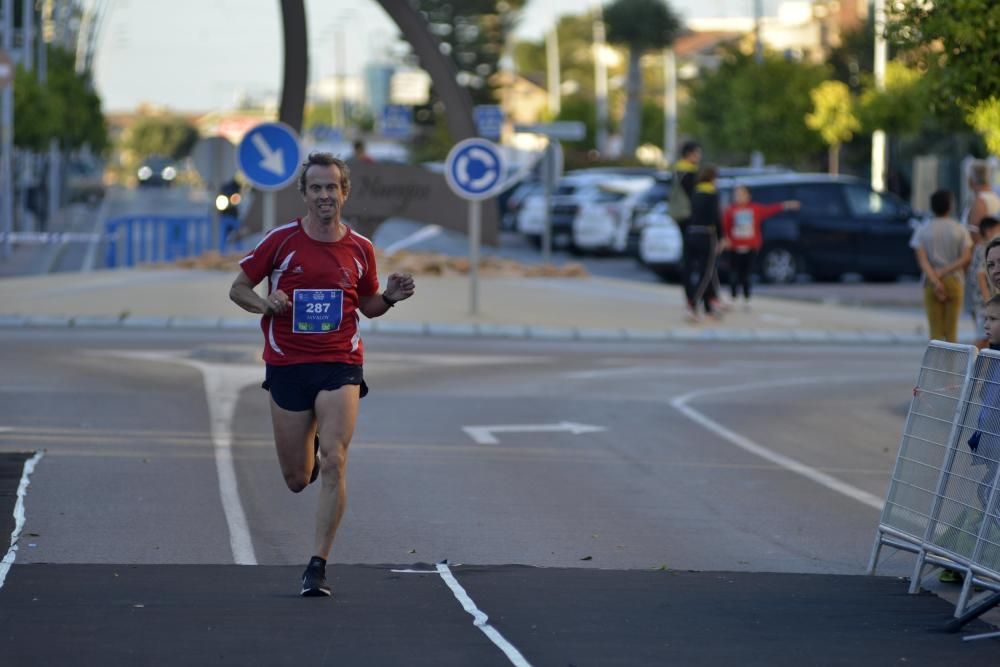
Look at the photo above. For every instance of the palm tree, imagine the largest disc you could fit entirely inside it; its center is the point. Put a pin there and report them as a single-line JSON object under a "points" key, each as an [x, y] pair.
{"points": [[638, 25]]}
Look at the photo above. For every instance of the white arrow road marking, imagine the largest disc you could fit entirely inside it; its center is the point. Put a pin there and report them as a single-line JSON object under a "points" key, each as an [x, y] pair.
{"points": [[273, 159], [483, 435]]}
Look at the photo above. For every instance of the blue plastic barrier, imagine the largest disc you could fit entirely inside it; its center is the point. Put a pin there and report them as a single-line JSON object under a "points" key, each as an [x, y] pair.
{"points": [[139, 239]]}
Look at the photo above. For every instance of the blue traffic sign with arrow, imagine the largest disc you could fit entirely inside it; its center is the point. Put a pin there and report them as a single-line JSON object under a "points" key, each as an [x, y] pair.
{"points": [[269, 155], [474, 169]]}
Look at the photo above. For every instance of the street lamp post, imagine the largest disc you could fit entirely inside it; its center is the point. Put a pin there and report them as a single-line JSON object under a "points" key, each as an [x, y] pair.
{"points": [[7, 133], [878, 136]]}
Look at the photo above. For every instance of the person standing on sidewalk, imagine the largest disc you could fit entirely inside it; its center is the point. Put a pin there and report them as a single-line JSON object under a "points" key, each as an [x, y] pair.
{"points": [[321, 275], [741, 228], [685, 178], [702, 246], [943, 248], [979, 285]]}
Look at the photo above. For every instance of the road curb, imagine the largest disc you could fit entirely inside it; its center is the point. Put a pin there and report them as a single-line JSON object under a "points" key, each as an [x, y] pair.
{"points": [[497, 331]]}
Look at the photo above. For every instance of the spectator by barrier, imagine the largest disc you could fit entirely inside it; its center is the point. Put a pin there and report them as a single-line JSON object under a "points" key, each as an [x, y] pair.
{"points": [[943, 497]]}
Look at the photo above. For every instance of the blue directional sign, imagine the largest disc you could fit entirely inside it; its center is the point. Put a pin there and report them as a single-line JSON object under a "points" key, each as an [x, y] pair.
{"points": [[489, 121], [396, 121], [474, 169], [269, 155]]}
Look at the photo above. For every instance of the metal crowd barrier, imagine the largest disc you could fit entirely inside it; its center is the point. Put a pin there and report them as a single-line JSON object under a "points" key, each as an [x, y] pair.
{"points": [[138, 239], [944, 493]]}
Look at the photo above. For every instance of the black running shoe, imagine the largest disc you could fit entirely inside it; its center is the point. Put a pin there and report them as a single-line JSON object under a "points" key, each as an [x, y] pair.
{"points": [[314, 579], [315, 472]]}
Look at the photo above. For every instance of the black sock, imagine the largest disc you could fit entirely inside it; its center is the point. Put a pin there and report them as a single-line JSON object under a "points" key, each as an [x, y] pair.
{"points": [[317, 562]]}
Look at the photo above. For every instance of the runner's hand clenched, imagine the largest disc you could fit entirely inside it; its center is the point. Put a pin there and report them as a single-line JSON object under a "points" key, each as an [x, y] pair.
{"points": [[400, 286], [277, 303]]}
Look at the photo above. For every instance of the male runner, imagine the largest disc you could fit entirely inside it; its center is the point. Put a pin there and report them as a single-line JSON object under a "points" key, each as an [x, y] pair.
{"points": [[321, 274]]}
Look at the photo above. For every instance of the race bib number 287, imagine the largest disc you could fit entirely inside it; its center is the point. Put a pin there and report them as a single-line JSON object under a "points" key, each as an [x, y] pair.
{"points": [[317, 310]]}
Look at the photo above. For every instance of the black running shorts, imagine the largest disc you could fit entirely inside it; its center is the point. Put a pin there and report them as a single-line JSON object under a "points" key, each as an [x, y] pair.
{"points": [[295, 387]]}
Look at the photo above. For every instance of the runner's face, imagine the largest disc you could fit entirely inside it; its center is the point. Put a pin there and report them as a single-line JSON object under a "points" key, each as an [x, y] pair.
{"points": [[741, 196], [324, 196]]}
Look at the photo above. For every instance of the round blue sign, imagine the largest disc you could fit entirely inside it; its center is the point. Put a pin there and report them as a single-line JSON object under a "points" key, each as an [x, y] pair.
{"points": [[474, 169], [269, 155]]}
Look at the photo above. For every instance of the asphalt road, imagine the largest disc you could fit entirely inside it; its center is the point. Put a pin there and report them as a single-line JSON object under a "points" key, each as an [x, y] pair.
{"points": [[126, 424], [651, 487]]}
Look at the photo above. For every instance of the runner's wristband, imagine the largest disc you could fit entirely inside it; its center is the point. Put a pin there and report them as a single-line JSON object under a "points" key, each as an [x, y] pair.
{"points": [[389, 302]]}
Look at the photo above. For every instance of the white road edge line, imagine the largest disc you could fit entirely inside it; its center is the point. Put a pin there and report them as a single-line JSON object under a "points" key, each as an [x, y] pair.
{"points": [[680, 403], [223, 383], [222, 389], [481, 619], [15, 535]]}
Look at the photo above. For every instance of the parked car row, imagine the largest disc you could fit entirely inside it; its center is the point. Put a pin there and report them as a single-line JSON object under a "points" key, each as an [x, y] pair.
{"points": [[843, 226]]}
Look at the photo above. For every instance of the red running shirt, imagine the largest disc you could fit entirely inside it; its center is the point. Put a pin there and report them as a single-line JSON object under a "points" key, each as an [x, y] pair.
{"points": [[741, 224], [324, 280]]}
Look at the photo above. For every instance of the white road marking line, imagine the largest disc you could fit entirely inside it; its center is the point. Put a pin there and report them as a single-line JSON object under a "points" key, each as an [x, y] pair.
{"points": [[483, 435], [480, 619], [15, 535], [746, 444], [223, 383]]}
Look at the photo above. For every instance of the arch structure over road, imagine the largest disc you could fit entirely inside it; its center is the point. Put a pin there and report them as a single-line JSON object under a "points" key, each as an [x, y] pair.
{"points": [[442, 70]]}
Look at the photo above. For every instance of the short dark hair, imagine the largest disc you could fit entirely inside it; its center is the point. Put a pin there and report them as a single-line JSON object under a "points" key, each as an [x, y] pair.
{"points": [[993, 301], [708, 174], [325, 160], [987, 224], [941, 202], [359, 145], [689, 147]]}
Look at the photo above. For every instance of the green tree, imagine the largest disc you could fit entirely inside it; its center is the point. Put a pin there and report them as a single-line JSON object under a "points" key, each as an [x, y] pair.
{"points": [[575, 37], [474, 33], [833, 117], [79, 120], [899, 109], [65, 108], [745, 106], [957, 42], [985, 118], [640, 26], [34, 121], [167, 135]]}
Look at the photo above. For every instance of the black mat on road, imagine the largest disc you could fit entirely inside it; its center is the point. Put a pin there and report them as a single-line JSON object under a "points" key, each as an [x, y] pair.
{"points": [[11, 469], [232, 615]]}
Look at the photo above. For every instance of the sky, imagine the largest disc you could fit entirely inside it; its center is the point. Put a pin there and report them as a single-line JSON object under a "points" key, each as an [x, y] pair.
{"points": [[200, 55]]}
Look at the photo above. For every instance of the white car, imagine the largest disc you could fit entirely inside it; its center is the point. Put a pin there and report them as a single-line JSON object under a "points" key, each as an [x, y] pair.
{"points": [[603, 223], [571, 190], [661, 245]]}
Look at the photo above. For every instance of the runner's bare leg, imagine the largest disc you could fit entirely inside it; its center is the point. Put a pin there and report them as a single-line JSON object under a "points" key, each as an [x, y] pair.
{"points": [[293, 439], [336, 413]]}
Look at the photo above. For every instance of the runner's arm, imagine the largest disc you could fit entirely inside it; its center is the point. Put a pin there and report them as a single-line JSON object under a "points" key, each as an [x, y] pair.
{"points": [[399, 286], [242, 294]]}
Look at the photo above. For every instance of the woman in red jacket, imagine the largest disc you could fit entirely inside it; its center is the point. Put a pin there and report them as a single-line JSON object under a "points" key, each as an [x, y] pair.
{"points": [[741, 226]]}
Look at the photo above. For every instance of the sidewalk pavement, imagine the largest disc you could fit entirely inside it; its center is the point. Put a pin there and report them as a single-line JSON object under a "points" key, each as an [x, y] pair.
{"points": [[538, 308]]}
